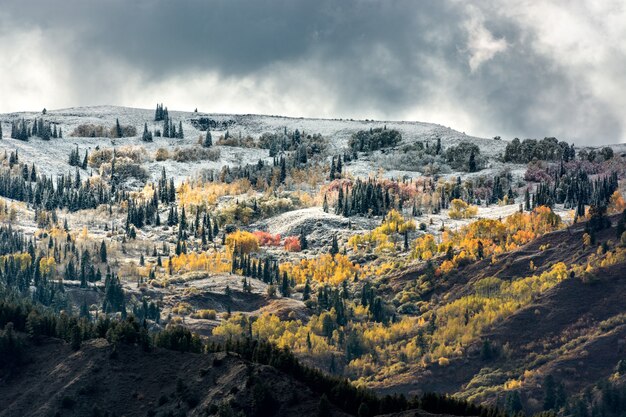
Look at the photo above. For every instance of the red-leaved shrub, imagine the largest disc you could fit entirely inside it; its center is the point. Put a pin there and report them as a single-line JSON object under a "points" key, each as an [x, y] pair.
{"points": [[267, 239]]}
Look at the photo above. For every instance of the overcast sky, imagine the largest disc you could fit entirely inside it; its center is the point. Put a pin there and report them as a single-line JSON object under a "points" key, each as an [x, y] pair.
{"points": [[525, 68]]}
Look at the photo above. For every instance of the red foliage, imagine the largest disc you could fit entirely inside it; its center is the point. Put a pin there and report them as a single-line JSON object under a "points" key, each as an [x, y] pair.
{"points": [[292, 244], [267, 239]]}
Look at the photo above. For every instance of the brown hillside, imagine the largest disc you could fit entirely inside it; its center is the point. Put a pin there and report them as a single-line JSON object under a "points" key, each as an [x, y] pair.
{"points": [[576, 331], [92, 381]]}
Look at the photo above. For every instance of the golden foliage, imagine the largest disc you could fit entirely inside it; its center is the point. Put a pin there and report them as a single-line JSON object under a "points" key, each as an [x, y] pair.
{"points": [[379, 239], [324, 269], [459, 209], [242, 241], [210, 262]]}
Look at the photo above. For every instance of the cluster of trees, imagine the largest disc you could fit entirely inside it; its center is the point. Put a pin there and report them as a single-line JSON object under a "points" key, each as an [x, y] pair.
{"points": [[206, 123], [160, 113], [265, 269], [464, 157], [606, 399], [393, 229], [374, 139], [147, 135], [369, 197], [85, 270], [326, 268], [23, 130], [575, 190], [143, 212], [302, 144], [75, 159], [336, 168], [547, 149], [169, 129], [11, 240], [42, 192]]}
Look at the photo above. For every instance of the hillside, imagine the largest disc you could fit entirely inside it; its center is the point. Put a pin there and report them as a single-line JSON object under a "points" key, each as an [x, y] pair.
{"points": [[575, 331], [59, 381], [403, 257]]}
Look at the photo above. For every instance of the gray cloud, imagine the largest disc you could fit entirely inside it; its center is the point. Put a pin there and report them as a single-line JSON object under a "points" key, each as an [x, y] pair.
{"points": [[491, 68]]}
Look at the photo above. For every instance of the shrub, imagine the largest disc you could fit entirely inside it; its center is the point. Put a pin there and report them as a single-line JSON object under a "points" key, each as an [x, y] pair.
{"points": [[195, 153], [205, 314], [125, 169], [99, 157], [267, 239], [162, 154], [292, 244], [90, 131]]}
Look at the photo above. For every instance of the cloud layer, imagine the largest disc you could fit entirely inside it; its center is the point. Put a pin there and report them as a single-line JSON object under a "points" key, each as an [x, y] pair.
{"points": [[490, 68]]}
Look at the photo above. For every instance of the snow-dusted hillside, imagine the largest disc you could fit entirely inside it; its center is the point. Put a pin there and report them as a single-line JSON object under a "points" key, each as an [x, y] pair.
{"points": [[52, 156]]}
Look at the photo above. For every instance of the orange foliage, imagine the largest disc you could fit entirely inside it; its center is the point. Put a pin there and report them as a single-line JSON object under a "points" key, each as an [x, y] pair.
{"points": [[267, 239], [292, 244]]}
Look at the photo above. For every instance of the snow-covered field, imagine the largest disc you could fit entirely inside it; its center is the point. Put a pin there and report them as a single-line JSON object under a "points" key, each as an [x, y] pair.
{"points": [[52, 157]]}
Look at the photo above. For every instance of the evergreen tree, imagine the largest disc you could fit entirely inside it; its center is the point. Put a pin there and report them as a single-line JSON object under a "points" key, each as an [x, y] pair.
{"points": [[208, 139], [103, 252], [334, 247], [147, 135], [285, 288], [118, 129], [549, 401], [304, 244], [472, 162]]}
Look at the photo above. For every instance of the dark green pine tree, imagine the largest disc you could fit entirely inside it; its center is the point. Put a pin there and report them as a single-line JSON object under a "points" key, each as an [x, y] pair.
{"points": [[334, 247], [285, 288], [118, 129], [147, 135], [304, 244], [472, 162], [549, 400], [283, 170], [103, 252], [180, 134], [306, 293], [208, 139]]}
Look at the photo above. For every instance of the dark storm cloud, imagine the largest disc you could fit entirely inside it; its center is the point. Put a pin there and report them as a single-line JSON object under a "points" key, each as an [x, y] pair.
{"points": [[391, 59]]}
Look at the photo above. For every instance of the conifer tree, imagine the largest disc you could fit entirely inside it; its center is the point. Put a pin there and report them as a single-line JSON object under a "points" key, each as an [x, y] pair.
{"points": [[118, 129], [147, 135], [103, 252], [334, 247], [304, 244], [208, 140]]}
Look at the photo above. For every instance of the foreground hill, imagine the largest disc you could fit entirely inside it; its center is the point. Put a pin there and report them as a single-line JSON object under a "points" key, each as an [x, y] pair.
{"points": [[105, 380], [574, 332]]}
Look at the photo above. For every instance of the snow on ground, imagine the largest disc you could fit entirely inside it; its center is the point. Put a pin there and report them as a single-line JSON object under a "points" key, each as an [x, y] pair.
{"points": [[52, 156]]}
